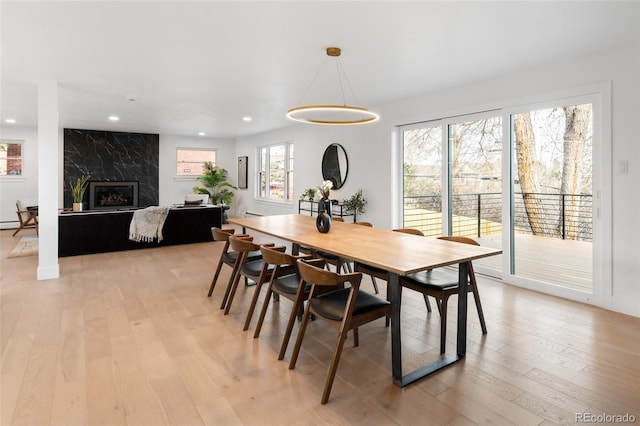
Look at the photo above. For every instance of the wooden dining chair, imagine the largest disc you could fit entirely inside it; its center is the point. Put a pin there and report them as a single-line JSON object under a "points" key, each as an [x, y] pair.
{"points": [[374, 272], [340, 263], [226, 257], [345, 308], [243, 267], [337, 262], [442, 283], [26, 218], [382, 274], [286, 285], [278, 265]]}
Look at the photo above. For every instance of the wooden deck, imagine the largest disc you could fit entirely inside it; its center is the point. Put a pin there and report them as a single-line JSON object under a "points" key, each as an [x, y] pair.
{"points": [[562, 262]]}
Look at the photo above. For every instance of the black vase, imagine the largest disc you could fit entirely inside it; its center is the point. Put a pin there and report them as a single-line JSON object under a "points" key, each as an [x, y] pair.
{"points": [[323, 222], [324, 205]]}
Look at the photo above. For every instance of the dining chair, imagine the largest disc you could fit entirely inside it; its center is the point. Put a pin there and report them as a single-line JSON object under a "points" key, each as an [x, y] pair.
{"points": [[337, 262], [26, 218], [244, 267], [286, 285], [226, 257], [382, 274], [442, 283], [345, 308], [340, 263]]}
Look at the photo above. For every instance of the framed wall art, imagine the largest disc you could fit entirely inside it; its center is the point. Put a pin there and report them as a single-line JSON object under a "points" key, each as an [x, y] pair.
{"points": [[242, 172]]}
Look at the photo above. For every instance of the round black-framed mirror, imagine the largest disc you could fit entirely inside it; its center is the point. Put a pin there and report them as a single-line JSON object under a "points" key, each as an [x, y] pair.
{"points": [[335, 165]]}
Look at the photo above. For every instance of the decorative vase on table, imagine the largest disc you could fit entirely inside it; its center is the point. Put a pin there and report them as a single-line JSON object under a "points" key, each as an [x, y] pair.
{"points": [[323, 222], [323, 191], [324, 205]]}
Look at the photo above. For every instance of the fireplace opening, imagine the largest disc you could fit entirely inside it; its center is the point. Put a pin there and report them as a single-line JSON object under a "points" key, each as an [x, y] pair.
{"points": [[113, 195]]}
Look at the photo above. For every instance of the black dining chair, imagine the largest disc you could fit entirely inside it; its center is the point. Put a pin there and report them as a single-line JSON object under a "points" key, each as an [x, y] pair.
{"points": [[226, 257], [250, 269], [442, 283], [382, 274], [286, 285], [344, 308]]}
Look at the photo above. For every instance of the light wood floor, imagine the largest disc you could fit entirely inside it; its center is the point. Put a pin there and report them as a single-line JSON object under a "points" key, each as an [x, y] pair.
{"points": [[131, 338]]}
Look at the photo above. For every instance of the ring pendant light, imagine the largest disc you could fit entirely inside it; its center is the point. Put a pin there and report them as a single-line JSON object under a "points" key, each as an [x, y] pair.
{"points": [[333, 114]]}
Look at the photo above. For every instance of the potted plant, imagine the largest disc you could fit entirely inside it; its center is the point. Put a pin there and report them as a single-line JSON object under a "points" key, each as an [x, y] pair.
{"points": [[308, 194], [355, 204], [214, 181], [77, 191]]}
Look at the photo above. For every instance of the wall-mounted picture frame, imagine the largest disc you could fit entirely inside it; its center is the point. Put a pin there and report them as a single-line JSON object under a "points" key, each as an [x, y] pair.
{"points": [[242, 172]]}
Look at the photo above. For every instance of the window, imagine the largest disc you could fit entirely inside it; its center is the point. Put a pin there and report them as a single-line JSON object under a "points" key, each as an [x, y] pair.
{"points": [[11, 158], [275, 174], [528, 179], [190, 161]]}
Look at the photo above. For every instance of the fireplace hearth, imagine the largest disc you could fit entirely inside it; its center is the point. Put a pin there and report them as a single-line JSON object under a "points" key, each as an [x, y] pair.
{"points": [[113, 195]]}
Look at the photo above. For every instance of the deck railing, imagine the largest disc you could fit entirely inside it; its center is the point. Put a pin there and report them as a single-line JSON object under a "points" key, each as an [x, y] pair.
{"points": [[565, 216]]}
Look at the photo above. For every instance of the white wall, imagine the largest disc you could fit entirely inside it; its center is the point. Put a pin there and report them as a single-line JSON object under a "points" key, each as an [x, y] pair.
{"points": [[25, 186], [310, 143], [370, 149]]}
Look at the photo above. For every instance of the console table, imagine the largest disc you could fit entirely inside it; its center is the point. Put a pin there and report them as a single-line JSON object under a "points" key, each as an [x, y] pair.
{"points": [[311, 207], [106, 231]]}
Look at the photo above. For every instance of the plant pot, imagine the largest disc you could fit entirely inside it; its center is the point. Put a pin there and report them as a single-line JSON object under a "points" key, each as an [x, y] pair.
{"points": [[77, 207]]}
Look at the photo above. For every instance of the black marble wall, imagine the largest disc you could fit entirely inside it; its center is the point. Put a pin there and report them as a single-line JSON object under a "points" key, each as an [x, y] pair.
{"points": [[112, 156]]}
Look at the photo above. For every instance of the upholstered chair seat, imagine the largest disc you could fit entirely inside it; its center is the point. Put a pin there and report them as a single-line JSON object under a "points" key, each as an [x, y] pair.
{"points": [[230, 257], [435, 278], [287, 284], [331, 305]]}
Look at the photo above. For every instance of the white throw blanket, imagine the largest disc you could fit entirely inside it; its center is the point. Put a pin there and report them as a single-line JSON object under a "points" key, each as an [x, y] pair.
{"points": [[147, 224]]}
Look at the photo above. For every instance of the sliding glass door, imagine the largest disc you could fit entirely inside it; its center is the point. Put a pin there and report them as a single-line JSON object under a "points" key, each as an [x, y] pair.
{"points": [[551, 195], [475, 181], [422, 178], [519, 180]]}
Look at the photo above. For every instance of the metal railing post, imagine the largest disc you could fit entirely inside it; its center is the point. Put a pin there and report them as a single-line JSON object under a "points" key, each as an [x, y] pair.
{"points": [[564, 213], [479, 214]]}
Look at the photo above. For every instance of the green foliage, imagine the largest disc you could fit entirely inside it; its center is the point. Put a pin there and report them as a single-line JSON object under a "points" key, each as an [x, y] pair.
{"points": [[355, 204], [214, 181], [308, 194], [78, 188]]}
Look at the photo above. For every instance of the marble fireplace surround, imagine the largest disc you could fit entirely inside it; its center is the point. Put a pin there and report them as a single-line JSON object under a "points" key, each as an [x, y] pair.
{"points": [[113, 156]]}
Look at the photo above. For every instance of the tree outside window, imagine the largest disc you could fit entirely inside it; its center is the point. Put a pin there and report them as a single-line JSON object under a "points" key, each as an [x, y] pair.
{"points": [[275, 174]]}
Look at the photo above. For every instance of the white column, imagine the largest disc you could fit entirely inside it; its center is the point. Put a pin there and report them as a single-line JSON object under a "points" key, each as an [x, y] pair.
{"points": [[48, 182]]}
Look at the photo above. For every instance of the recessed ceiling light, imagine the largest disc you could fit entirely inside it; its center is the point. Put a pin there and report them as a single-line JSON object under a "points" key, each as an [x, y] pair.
{"points": [[247, 119], [113, 118], [201, 133], [10, 120]]}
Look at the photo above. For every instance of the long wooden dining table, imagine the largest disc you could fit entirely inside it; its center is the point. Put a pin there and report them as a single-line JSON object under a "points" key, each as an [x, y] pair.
{"points": [[398, 253]]}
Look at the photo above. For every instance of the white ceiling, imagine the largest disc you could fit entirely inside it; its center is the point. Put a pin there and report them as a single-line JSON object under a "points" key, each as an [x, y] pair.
{"points": [[202, 66]]}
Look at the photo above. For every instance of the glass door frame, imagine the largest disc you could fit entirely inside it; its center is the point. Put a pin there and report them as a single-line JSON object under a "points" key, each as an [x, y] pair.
{"points": [[599, 95], [601, 210]]}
